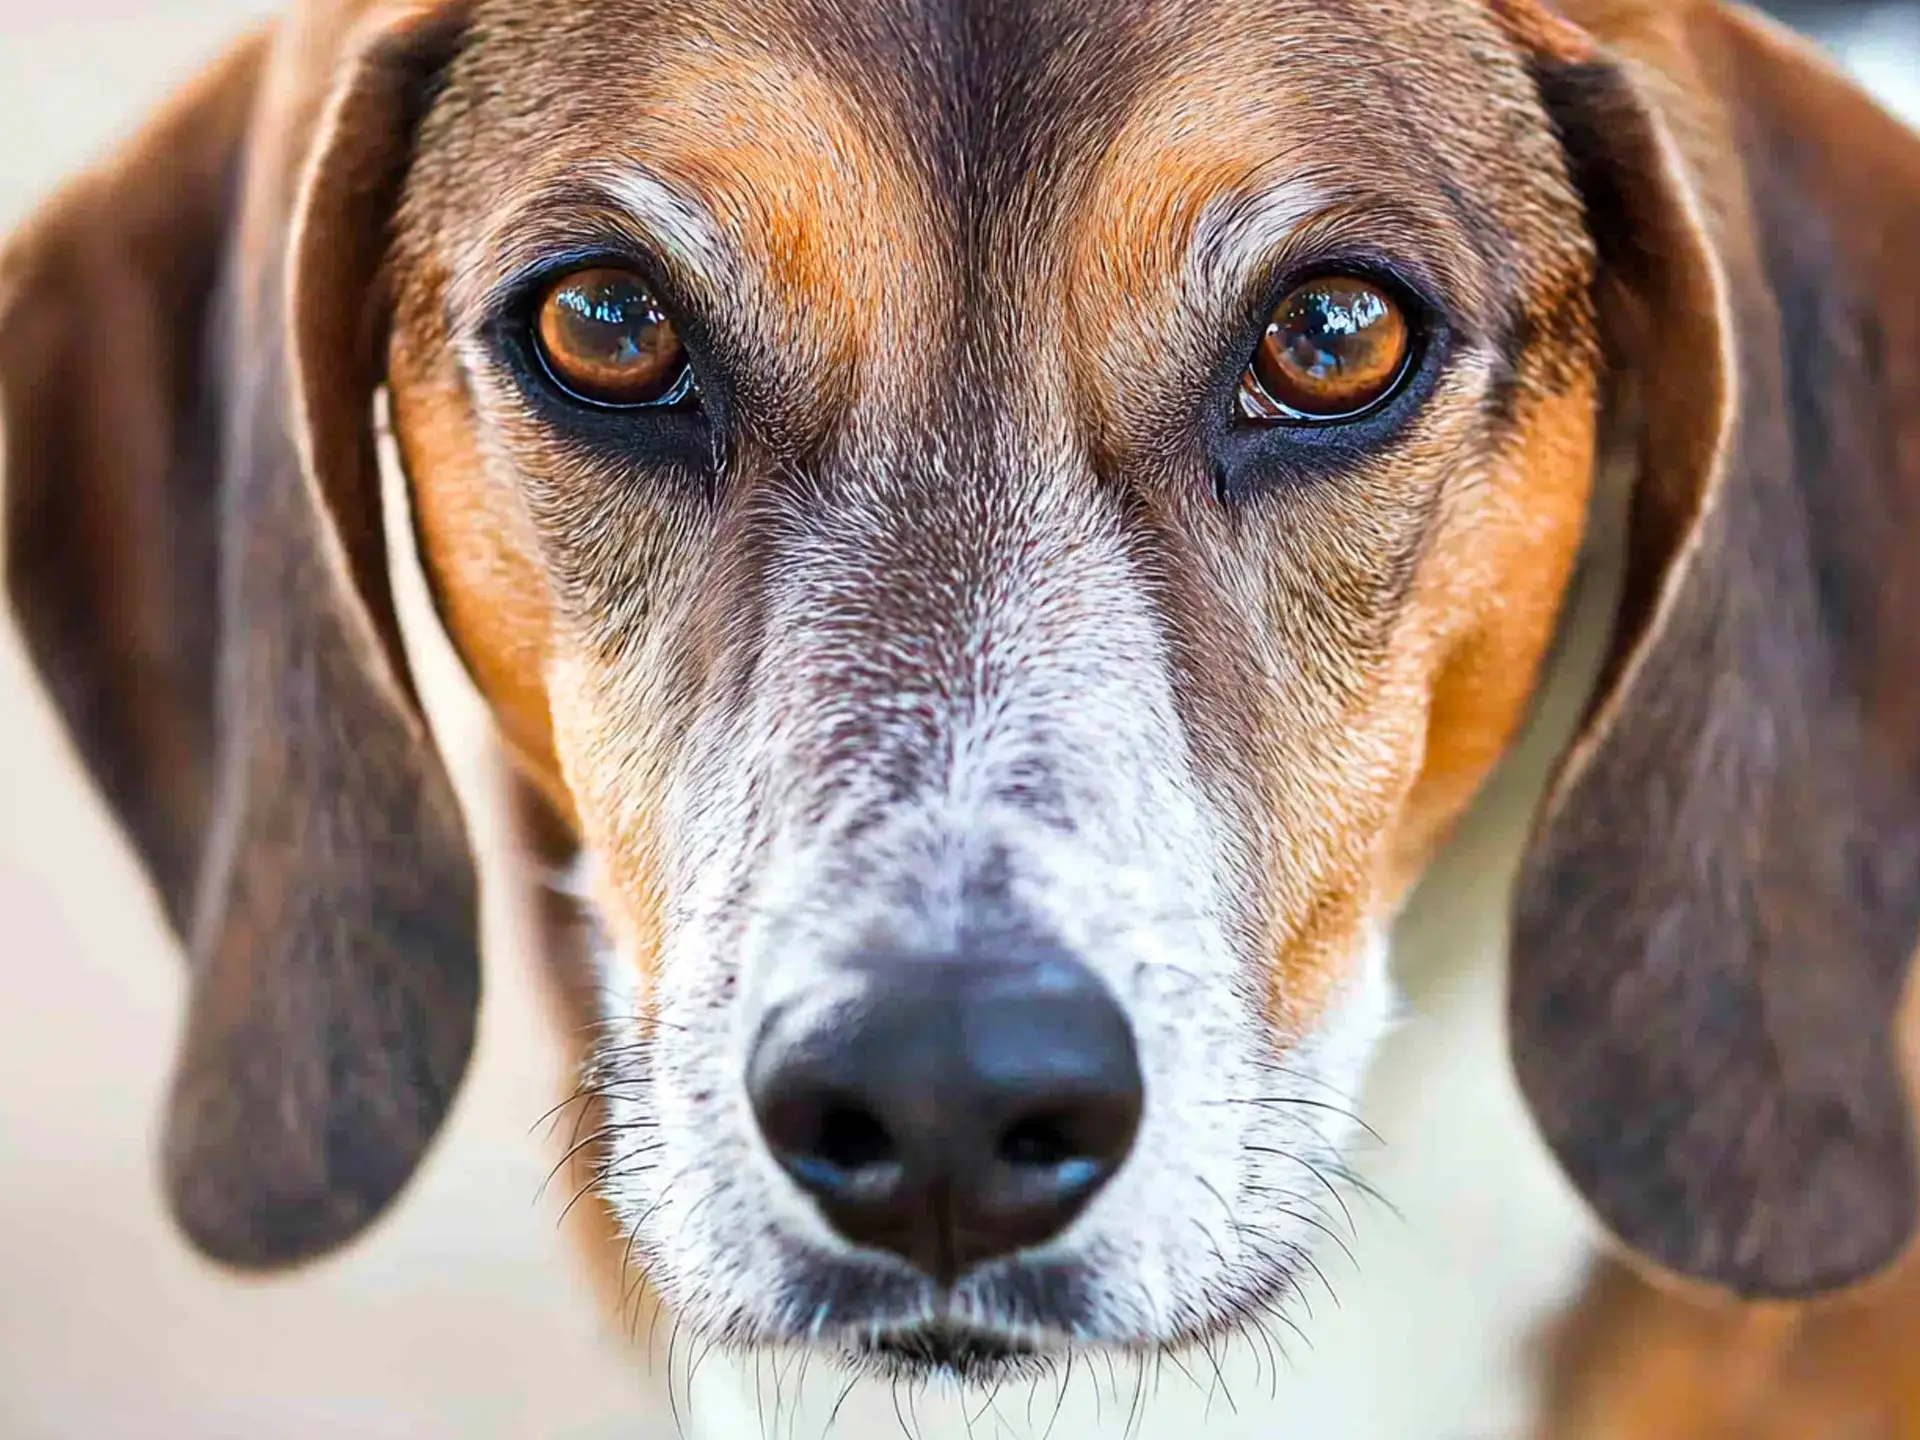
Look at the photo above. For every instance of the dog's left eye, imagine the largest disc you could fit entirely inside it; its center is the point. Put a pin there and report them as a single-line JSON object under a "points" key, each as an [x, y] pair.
{"points": [[604, 339], [1334, 348]]}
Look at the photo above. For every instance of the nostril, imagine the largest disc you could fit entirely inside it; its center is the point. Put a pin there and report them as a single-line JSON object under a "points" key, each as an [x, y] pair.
{"points": [[832, 1145], [1037, 1142], [1053, 1158], [852, 1138]]}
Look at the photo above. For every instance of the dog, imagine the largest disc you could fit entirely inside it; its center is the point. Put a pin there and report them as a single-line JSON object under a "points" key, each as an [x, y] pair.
{"points": [[1000, 542]]}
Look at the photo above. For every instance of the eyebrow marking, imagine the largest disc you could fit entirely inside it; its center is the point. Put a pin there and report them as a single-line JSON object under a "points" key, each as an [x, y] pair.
{"points": [[628, 204], [1237, 235], [685, 232], [1243, 237]]}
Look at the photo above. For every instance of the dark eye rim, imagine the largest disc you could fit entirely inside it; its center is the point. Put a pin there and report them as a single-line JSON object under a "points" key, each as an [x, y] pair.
{"points": [[683, 391], [1250, 457], [688, 439], [1292, 415]]}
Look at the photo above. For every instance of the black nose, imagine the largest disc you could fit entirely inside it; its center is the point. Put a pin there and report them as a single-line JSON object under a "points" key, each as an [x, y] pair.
{"points": [[951, 1110]]}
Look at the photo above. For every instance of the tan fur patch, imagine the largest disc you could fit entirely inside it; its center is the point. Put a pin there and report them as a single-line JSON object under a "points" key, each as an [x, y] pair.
{"points": [[773, 150], [479, 556], [1498, 590]]}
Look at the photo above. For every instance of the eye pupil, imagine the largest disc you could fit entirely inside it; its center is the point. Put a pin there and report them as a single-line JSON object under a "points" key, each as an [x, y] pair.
{"points": [[1335, 347], [604, 339]]}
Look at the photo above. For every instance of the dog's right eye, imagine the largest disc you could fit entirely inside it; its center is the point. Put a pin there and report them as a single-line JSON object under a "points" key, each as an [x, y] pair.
{"points": [[604, 339]]}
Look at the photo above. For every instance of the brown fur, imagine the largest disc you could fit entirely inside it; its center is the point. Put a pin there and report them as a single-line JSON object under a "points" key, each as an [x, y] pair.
{"points": [[1145, 183], [320, 1056], [940, 216]]}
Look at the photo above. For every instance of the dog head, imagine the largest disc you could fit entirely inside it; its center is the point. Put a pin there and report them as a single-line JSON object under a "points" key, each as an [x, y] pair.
{"points": [[1009, 535]]}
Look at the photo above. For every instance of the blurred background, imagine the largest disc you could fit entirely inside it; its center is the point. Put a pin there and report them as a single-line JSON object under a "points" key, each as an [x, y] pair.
{"points": [[462, 1315]]}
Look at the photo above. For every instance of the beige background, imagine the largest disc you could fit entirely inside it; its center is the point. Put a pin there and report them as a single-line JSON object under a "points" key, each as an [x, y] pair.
{"points": [[460, 1316]]}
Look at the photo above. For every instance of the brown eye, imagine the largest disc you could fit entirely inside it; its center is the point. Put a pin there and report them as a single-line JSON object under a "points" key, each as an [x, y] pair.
{"points": [[603, 339], [1335, 347]]}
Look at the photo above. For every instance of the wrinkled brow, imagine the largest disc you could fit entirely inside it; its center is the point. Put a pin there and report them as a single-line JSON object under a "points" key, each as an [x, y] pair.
{"points": [[625, 209], [1243, 239]]}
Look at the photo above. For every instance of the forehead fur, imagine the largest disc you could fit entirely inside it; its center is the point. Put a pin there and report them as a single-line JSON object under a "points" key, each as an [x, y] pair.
{"points": [[882, 167]]}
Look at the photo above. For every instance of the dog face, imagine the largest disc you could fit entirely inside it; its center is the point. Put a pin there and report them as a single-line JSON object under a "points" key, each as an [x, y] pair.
{"points": [[1009, 538], [961, 612], [962, 609]]}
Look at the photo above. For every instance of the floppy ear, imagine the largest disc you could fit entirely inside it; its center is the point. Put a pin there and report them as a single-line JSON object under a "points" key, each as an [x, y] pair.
{"points": [[189, 345], [1714, 925]]}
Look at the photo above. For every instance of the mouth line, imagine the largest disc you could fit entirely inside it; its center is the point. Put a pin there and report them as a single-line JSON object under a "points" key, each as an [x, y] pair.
{"points": [[877, 1322], [970, 1354]]}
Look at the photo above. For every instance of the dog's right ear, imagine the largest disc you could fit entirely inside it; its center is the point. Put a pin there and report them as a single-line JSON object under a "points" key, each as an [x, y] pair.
{"points": [[190, 338]]}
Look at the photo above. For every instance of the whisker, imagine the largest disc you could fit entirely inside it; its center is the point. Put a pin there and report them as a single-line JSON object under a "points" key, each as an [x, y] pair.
{"points": [[1332, 1189], [1325, 1230], [834, 1415], [1305, 1104], [673, 1402], [572, 1150], [553, 1115], [1060, 1399]]}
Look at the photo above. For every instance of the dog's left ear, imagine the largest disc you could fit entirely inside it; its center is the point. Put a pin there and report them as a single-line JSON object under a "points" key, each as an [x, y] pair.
{"points": [[1715, 923]]}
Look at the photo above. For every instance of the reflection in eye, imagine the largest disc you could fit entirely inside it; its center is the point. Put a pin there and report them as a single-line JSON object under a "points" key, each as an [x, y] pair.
{"points": [[604, 339], [1336, 347]]}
